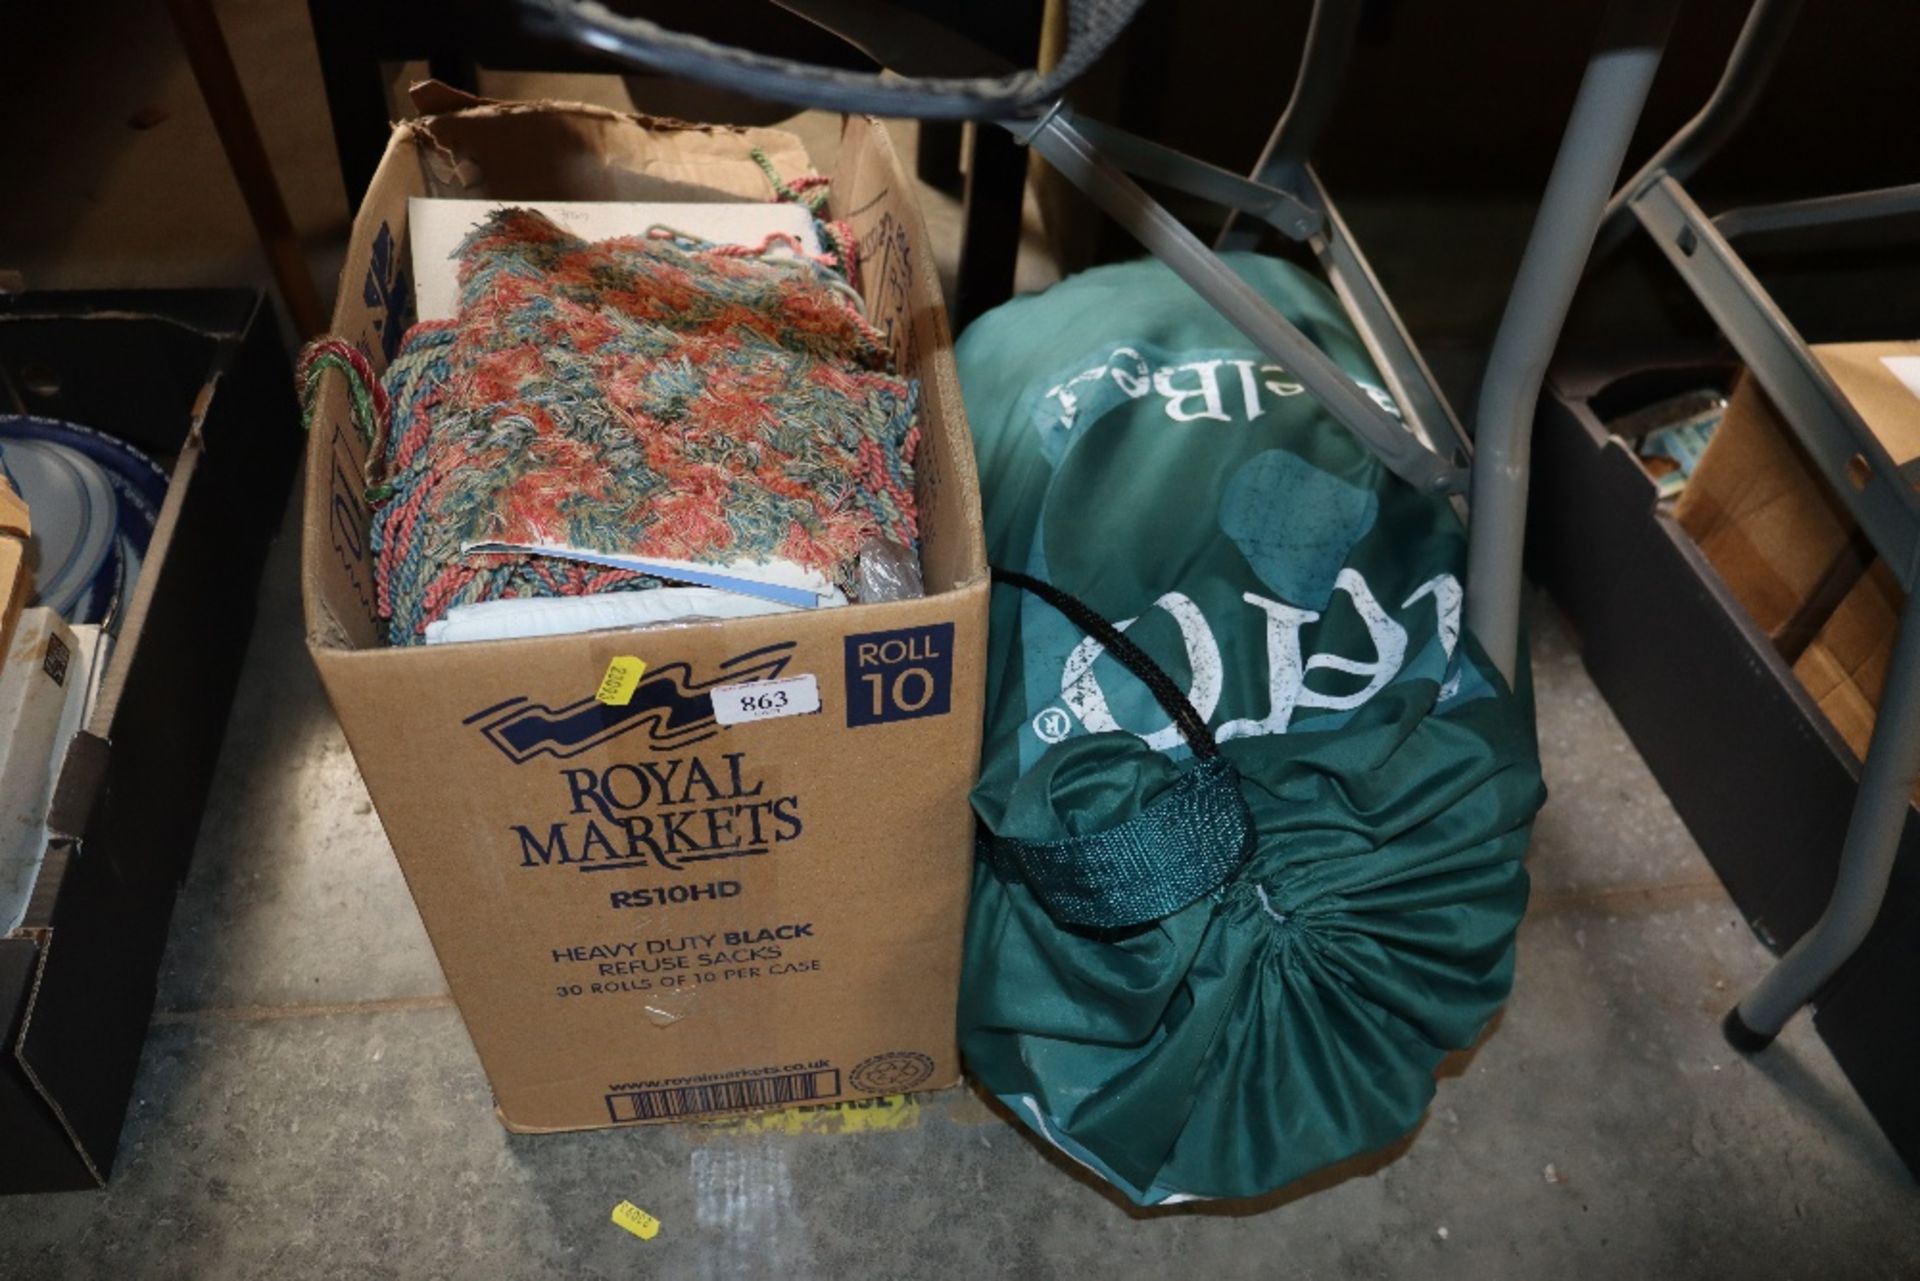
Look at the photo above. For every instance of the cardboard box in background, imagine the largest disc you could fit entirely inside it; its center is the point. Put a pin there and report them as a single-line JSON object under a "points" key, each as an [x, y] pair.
{"points": [[1776, 532], [198, 379], [16, 526], [1845, 665], [642, 914], [1759, 510]]}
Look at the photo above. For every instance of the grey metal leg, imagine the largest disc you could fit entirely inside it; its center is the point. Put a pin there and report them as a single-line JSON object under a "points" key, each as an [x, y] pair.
{"points": [[1751, 61], [1069, 152], [1289, 197], [1286, 194], [1838, 440], [1323, 68], [1852, 209], [1605, 111], [1408, 379], [1866, 860], [1150, 160], [1283, 165]]}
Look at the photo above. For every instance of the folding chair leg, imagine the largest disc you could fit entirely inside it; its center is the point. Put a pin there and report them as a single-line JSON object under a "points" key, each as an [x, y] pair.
{"points": [[1323, 69], [1866, 860], [1763, 37], [1057, 138], [1613, 90], [1405, 370]]}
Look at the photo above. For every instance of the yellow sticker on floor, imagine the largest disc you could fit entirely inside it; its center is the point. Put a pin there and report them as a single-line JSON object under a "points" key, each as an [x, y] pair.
{"points": [[634, 1219], [622, 678], [855, 1116]]}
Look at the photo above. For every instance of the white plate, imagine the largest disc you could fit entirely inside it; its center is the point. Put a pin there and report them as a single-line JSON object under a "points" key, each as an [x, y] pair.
{"points": [[75, 518]]}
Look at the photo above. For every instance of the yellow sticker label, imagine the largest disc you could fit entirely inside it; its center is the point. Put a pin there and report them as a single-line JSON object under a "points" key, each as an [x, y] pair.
{"points": [[632, 1217], [855, 1116], [622, 678]]}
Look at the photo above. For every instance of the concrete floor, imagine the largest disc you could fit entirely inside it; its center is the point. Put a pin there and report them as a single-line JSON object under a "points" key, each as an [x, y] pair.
{"points": [[309, 1104]]}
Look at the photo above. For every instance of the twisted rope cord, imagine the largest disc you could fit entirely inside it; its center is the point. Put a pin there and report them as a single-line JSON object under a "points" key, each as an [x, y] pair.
{"points": [[367, 407], [811, 191]]}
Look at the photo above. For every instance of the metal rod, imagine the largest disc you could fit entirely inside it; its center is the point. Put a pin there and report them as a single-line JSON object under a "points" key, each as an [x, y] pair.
{"points": [[1762, 38], [1148, 159], [1850, 209], [1067, 150], [1825, 422], [1866, 860], [925, 54], [1408, 379], [1605, 110], [1323, 69], [1301, 210]]}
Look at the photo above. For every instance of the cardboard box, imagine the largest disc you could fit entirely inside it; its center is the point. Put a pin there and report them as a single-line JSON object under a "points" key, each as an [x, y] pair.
{"points": [[1845, 666], [1764, 782], [1785, 544], [16, 526], [644, 915], [198, 379], [44, 686], [1760, 512]]}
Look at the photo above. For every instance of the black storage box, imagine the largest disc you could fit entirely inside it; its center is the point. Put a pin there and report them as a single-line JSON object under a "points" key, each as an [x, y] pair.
{"points": [[198, 379], [1761, 779]]}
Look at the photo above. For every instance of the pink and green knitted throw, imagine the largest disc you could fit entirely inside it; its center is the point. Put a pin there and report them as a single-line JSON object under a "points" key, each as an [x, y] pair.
{"points": [[650, 396]]}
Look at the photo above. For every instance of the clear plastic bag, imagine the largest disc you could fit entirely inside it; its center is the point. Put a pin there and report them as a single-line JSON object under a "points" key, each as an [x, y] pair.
{"points": [[889, 571]]}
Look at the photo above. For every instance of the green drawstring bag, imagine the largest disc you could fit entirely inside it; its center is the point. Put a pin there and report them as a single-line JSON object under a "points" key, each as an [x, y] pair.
{"points": [[1252, 804]]}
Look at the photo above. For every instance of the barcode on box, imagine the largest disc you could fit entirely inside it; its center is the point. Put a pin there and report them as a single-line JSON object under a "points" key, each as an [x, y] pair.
{"points": [[724, 1096]]}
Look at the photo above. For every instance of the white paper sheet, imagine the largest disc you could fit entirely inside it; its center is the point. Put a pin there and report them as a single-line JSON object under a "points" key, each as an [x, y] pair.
{"points": [[600, 611], [775, 580], [1906, 369]]}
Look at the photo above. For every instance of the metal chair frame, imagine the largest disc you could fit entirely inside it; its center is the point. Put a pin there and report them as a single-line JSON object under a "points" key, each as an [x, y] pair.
{"points": [[1886, 504], [1581, 217], [1427, 447]]}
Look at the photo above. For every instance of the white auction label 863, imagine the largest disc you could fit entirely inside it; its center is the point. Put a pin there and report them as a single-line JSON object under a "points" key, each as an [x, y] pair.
{"points": [[766, 700]]}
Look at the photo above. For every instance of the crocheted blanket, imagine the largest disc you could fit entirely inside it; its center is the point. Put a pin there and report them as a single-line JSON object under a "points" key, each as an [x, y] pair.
{"points": [[652, 397]]}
